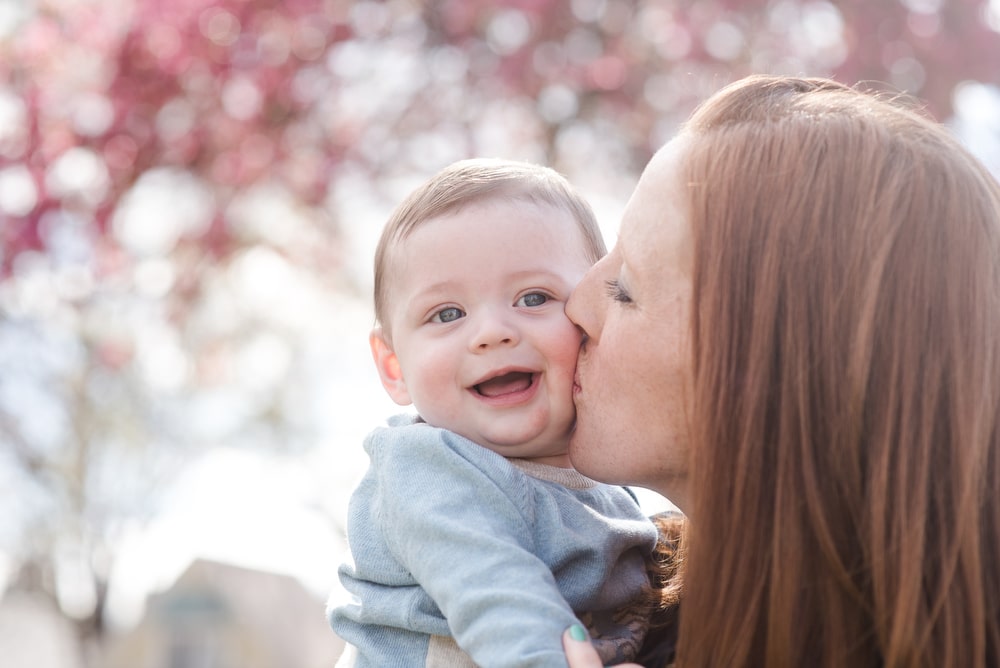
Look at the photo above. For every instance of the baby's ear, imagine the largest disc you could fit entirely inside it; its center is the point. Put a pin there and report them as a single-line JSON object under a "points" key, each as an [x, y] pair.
{"points": [[388, 368]]}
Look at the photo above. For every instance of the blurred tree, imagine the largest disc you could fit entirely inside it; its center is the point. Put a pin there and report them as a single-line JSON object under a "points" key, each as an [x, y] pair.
{"points": [[176, 177]]}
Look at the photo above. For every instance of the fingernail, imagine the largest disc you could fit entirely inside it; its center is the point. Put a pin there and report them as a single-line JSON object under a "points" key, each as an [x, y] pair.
{"points": [[578, 633]]}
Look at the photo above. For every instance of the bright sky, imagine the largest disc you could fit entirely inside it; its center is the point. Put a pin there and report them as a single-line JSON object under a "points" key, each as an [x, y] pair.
{"points": [[264, 511]]}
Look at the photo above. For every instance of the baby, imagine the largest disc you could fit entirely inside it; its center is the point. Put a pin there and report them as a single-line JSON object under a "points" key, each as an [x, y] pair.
{"points": [[474, 542]]}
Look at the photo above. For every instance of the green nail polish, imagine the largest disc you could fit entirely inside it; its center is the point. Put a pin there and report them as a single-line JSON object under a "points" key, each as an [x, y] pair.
{"points": [[577, 632]]}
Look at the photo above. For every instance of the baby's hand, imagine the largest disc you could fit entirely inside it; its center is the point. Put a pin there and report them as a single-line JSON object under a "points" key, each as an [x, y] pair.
{"points": [[580, 653]]}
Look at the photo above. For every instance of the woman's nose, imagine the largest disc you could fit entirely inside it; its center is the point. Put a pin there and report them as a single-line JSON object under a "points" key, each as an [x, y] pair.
{"points": [[585, 306]]}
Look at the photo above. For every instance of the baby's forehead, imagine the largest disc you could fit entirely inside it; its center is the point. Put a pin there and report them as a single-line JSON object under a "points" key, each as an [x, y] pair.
{"points": [[469, 222], [478, 217], [521, 236]]}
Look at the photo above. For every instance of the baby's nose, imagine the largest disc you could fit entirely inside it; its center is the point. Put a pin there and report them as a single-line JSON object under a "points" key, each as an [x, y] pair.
{"points": [[494, 329]]}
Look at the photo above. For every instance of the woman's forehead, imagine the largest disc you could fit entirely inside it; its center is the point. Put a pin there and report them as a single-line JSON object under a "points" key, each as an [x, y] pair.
{"points": [[655, 224]]}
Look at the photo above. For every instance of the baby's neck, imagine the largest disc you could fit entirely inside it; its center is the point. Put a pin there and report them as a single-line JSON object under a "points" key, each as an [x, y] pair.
{"points": [[567, 477], [559, 461]]}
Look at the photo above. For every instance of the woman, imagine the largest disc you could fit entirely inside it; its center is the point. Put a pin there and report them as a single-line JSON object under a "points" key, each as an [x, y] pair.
{"points": [[797, 340]]}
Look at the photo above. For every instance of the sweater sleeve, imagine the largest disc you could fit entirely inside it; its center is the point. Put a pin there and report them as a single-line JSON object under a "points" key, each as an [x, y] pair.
{"points": [[458, 517]]}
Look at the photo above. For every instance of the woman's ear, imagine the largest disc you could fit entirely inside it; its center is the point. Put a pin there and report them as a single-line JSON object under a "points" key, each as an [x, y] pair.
{"points": [[388, 368]]}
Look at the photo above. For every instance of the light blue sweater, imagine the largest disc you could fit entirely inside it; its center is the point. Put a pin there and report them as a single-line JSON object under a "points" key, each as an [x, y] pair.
{"points": [[453, 541]]}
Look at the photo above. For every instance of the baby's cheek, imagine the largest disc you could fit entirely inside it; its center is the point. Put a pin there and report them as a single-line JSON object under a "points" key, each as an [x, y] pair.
{"points": [[567, 338]]}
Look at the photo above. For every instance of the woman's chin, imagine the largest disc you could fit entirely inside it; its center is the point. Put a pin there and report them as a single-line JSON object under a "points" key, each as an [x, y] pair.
{"points": [[582, 458]]}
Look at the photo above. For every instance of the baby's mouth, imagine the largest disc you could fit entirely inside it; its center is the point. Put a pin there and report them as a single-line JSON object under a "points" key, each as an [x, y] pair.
{"points": [[508, 383]]}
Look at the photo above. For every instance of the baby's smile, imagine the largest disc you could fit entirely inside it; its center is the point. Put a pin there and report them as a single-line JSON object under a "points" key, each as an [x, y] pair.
{"points": [[507, 383]]}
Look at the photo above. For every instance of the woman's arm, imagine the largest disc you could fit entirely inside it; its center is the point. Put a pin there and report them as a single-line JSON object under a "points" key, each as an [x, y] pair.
{"points": [[660, 643], [580, 653]]}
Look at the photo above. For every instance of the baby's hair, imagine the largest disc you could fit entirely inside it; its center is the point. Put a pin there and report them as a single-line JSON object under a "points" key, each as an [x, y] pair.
{"points": [[475, 181]]}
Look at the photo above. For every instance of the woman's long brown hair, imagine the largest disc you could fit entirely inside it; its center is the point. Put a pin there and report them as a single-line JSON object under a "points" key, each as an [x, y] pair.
{"points": [[846, 329]]}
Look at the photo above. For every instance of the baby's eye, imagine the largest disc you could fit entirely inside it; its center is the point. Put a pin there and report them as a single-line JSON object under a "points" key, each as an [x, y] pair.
{"points": [[533, 299], [449, 314]]}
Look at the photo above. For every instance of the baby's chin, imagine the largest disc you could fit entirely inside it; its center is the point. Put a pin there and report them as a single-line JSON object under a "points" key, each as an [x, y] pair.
{"points": [[536, 432], [529, 446]]}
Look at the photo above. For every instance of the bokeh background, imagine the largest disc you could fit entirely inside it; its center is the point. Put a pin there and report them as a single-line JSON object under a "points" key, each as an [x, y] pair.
{"points": [[190, 193]]}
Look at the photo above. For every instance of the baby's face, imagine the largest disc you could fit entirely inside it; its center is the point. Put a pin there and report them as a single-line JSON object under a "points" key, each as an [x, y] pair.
{"points": [[478, 327]]}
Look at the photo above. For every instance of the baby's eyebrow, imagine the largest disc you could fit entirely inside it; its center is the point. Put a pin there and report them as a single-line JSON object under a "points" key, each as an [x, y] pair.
{"points": [[437, 288], [539, 271], [431, 296], [541, 276]]}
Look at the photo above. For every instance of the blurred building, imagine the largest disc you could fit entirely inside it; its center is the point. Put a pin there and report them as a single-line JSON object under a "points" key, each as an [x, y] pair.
{"points": [[222, 616]]}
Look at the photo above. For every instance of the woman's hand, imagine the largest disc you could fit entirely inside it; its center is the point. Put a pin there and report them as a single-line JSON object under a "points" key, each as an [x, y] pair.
{"points": [[580, 653]]}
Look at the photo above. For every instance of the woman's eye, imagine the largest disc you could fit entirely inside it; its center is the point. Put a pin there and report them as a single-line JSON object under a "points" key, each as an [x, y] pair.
{"points": [[533, 299], [449, 314], [617, 292]]}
